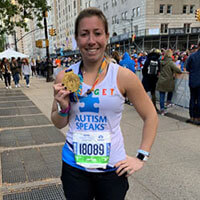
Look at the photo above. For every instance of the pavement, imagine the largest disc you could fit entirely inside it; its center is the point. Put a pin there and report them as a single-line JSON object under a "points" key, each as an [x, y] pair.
{"points": [[30, 149]]}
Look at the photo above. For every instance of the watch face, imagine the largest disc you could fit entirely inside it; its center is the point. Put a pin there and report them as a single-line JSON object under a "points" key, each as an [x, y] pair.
{"points": [[142, 157]]}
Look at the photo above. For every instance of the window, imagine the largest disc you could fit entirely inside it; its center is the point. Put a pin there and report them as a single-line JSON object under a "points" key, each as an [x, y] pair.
{"points": [[169, 9], [138, 11], [134, 12], [122, 15], [136, 29], [162, 8], [164, 28], [105, 6], [74, 4], [187, 28], [114, 19], [184, 9], [192, 7], [114, 3], [125, 15], [80, 2]]}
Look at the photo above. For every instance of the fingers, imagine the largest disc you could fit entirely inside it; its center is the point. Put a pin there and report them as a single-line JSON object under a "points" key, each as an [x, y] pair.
{"points": [[128, 166], [123, 168]]}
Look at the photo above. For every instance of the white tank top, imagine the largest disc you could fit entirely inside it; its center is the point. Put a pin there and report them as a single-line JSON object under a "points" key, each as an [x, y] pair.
{"points": [[99, 111]]}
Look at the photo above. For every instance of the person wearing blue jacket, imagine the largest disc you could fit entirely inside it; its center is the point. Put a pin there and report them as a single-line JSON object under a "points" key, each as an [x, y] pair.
{"points": [[193, 67], [127, 62]]}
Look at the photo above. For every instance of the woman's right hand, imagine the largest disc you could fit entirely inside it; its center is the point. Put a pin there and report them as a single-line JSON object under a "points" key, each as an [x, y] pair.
{"points": [[61, 95]]}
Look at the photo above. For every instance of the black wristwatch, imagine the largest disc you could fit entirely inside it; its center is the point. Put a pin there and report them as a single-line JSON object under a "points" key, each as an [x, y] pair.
{"points": [[142, 157]]}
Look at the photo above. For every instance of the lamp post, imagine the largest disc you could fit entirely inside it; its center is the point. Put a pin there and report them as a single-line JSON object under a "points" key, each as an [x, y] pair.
{"points": [[131, 23], [49, 77], [15, 40]]}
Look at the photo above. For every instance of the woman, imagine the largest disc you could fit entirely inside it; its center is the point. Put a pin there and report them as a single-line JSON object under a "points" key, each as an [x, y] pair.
{"points": [[26, 70], [166, 82], [15, 71], [95, 164], [5, 68]]}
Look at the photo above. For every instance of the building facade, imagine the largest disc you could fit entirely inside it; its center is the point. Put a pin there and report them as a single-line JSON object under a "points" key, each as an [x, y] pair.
{"points": [[157, 24]]}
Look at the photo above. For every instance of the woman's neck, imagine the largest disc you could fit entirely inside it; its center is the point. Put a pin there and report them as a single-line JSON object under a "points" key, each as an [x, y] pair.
{"points": [[90, 67]]}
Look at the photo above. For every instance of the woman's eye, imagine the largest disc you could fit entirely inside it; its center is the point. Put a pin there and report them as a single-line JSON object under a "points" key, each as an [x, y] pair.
{"points": [[97, 33], [83, 34]]}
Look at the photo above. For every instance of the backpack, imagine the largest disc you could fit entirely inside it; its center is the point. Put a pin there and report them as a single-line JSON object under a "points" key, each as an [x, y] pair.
{"points": [[153, 67]]}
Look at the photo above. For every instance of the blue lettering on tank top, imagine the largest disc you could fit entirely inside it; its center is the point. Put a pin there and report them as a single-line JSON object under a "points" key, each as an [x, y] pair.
{"points": [[87, 122]]}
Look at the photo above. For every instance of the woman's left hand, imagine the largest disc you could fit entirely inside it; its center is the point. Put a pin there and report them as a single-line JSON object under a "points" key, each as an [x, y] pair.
{"points": [[129, 166]]}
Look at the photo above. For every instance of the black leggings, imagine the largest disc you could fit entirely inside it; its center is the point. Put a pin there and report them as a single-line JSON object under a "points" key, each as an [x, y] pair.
{"points": [[82, 185], [7, 79]]}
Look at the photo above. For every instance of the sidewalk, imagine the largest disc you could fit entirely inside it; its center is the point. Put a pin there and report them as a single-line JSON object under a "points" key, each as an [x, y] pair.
{"points": [[30, 150]]}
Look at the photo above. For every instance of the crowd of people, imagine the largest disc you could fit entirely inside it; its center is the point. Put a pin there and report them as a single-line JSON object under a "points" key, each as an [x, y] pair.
{"points": [[16, 70], [159, 68]]}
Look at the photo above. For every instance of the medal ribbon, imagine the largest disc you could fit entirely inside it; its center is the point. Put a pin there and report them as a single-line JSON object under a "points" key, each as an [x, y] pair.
{"points": [[78, 93], [101, 69]]}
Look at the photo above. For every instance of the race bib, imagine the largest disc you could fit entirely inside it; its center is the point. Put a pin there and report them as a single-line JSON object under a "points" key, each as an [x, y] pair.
{"points": [[92, 149]]}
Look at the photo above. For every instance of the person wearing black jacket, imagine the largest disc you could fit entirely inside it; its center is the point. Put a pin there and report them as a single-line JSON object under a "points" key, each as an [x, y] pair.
{"points": [[150, 72], [15, 71]]}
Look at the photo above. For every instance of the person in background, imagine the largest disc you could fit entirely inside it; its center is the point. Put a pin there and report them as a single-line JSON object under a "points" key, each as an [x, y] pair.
{"points": [[19, 64], [166, 82], [141, 60], [127, 62], [193, 67], [33, 67], [26, 70], [95, 164], [1, 76], [150, 73], [15, 71], [115, 57], [5, 68], [177, 61]]}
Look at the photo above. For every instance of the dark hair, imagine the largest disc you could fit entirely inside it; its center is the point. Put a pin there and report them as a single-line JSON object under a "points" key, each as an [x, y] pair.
{"points": [[90, 12], [116, 56]]}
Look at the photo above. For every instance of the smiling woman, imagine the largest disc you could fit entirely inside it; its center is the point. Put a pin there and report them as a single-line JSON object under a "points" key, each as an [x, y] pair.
{"points": [[95, 164]]}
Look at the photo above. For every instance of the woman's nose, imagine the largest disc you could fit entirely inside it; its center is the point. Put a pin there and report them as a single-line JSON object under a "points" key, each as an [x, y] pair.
{"points": [[91, 38]]}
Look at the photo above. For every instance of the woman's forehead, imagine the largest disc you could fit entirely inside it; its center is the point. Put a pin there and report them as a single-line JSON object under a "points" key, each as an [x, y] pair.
{"points": [[91, 22]]}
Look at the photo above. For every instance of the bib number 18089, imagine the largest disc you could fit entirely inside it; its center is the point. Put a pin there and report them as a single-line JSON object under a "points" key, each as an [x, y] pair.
{"points": [[91, 149]]}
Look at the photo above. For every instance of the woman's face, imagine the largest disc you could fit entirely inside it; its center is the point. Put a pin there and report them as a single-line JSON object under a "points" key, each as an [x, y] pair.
{"points": [[92, 39]]}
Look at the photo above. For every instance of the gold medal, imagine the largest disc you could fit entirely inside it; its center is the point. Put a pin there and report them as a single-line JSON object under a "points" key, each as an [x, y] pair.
{"points": [[71, 81]]}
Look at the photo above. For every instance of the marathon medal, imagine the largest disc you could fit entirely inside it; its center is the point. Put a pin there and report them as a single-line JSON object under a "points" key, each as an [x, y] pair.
{"points": [[71, 81]]}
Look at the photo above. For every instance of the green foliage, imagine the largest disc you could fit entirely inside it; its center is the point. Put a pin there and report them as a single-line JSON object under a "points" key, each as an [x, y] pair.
{"points": [[14, 14]]}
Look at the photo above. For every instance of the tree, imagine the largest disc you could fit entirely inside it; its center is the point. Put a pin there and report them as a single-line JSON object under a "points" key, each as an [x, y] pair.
{"points": [[14, 12], [2, 42]]}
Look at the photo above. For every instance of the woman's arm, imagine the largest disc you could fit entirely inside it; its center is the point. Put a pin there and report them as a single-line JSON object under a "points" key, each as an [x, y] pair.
{"points": [[131, 86], [61, 96]]}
